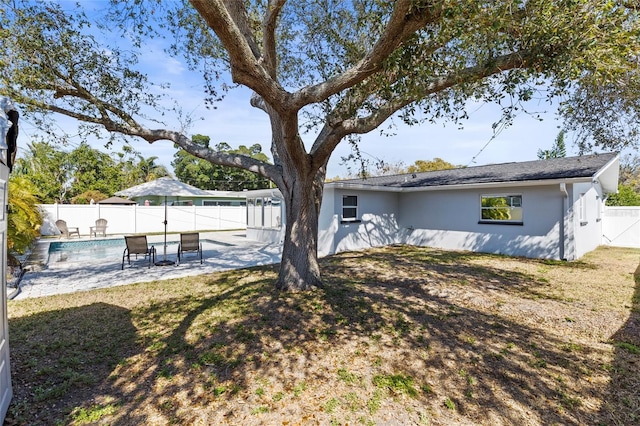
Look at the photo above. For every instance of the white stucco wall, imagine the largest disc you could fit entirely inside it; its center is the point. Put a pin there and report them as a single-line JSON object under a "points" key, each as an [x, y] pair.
{"points": [[449, 220], [587, 221], [377, 226]]}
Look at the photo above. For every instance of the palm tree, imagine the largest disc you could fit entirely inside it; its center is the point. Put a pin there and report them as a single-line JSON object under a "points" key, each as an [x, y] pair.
{"points": [[149, 170], [24, 218], [557, 151]]}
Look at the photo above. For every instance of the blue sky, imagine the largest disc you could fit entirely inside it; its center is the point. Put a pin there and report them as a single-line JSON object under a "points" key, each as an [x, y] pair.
{"points": [[237, 123]]}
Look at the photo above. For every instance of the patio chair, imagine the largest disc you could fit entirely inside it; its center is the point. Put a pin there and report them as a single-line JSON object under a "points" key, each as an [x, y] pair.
{"points": [[189, 243], [100, 228], [65, 230], [138, 245]]}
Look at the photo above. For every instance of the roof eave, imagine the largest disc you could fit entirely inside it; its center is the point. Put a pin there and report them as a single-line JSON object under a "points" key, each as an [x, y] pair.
{"points": [[487, 185], [609, 175]]}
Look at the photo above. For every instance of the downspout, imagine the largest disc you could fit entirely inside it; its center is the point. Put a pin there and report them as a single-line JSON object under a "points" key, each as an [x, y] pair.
{"points": [[563, 190]]}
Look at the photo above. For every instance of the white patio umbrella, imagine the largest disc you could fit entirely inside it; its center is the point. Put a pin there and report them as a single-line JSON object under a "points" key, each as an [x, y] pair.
{"points": [[163, 187]]}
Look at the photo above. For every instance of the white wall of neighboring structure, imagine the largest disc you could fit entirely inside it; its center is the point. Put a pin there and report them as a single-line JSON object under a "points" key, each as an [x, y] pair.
{"points": [[8, 135], [143, 219], [587, 217], [5, 370], [450, 220]]}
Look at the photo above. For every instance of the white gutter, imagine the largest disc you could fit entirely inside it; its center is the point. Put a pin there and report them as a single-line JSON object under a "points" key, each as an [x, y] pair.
{"points": [[561, 224], [563, 189]]}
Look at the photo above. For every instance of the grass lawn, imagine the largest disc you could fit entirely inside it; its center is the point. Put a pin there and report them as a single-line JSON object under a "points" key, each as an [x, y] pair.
{"points": [[400, 335]]}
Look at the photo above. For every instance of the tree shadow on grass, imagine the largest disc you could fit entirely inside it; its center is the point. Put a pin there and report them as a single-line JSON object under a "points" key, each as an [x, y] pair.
{"points": [[494, 369], [390, 339], [622, 404], [246, 353], [59, 357]]}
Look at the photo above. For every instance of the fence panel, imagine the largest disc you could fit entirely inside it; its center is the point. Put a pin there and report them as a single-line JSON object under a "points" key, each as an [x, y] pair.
{"points": [[621, 226], [143, 219]]}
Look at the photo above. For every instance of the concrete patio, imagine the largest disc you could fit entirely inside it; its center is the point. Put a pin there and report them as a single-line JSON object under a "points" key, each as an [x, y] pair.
{"points": [[223, 250]]}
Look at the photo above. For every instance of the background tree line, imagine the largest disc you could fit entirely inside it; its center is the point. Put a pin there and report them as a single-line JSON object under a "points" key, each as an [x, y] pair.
{"points": [[629, 183], [82, 174], [206, 175]]}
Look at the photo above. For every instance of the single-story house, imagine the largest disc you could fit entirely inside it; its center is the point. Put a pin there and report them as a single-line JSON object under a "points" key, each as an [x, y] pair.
{"points": [[548, 209], [212, 198], [116, 201]]}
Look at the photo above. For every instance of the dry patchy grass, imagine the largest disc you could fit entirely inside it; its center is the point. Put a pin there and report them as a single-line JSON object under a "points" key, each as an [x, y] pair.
{"points": [[400, 335]]}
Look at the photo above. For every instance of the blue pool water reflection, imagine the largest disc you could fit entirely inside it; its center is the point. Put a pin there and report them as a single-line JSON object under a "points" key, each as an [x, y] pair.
{"points": [[95, 250]]}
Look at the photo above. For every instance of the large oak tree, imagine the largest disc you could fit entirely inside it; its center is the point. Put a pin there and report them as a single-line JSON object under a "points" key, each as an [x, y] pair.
{"points": [[337, 68]]}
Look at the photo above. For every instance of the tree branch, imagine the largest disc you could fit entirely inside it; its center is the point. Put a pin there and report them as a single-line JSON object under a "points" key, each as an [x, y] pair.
{"points": [[332, 134], [405, 20], [269, 38], [228, 19], [133, 128]]}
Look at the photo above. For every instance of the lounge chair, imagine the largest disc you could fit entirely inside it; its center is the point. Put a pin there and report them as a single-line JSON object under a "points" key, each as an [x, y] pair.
{"points": [[189, 242], [138, 245], [100, 228], [65, 230]]}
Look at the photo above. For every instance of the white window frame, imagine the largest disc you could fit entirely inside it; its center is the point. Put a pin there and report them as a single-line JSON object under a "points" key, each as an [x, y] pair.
{"points": [[251, 213], [511, 207], [583, 209], [351, 217], [264, 212]]}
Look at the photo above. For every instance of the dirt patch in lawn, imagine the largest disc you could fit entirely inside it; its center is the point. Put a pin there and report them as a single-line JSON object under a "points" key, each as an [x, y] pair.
{"points": [[400, 335]]}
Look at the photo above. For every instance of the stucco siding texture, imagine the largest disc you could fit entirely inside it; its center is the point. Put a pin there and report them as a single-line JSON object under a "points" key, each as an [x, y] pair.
{"points": [[450, 220]]}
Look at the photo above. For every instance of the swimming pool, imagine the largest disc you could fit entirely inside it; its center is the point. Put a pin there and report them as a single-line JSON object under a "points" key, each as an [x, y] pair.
{"points": [[95, 250]]}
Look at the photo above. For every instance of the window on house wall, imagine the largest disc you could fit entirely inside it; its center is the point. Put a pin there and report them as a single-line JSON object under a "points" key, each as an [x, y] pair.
{"points": [[251, 222], [583, 209], [264, 212], [349, 208], [258, 213], [267, 213], [217, 203], [276, 220], [501, 208]]}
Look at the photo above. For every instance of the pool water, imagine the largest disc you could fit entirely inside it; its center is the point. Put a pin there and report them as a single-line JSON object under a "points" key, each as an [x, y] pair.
{"points": [[96, 250]]}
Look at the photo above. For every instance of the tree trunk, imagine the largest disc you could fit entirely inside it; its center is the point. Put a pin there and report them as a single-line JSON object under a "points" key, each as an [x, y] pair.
{"points": [[299, 269]]}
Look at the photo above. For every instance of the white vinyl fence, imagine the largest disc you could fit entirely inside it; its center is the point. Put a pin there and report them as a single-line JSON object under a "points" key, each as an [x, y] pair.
{"points": [[143, 219], [621, 226]]}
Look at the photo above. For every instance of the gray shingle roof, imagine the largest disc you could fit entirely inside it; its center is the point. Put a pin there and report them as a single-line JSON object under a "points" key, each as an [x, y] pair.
{"points": [[557, 168]]}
